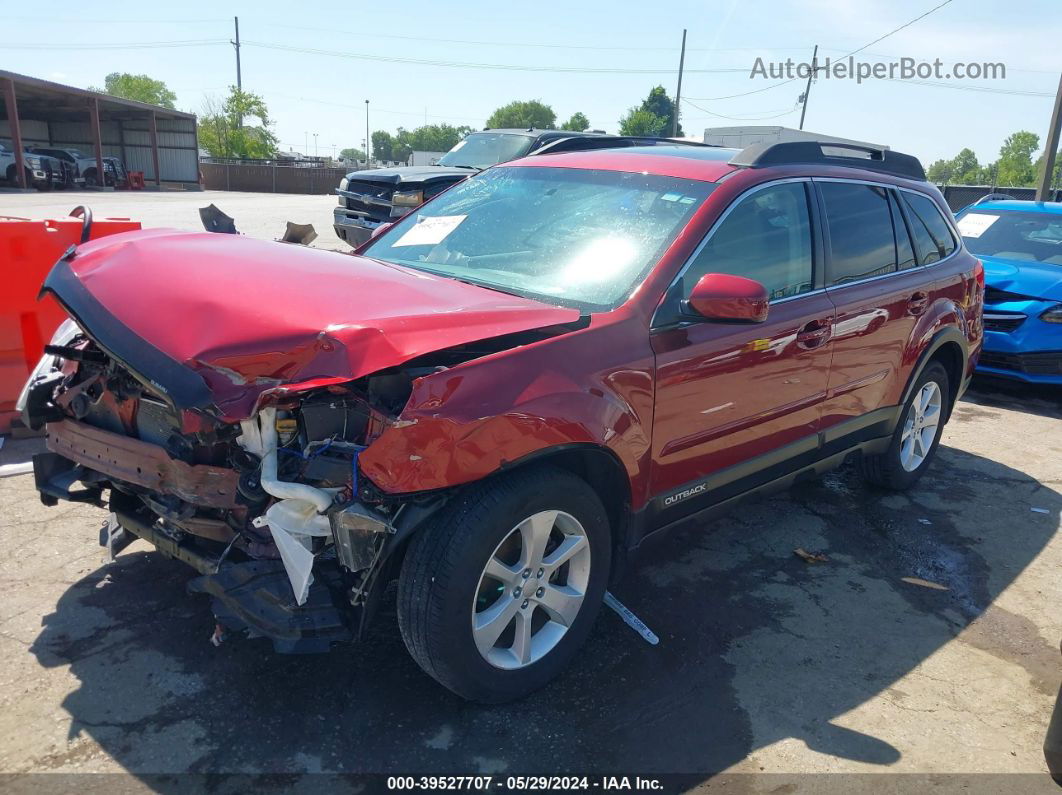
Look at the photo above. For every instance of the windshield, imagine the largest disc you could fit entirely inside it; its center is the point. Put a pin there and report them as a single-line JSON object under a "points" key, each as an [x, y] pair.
{"points": [[1007, 234], [572, 237], [485, 149]]}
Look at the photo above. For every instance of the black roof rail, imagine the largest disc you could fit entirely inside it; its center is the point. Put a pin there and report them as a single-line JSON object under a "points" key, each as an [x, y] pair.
{"points": [[784, 153], [579, 143]]}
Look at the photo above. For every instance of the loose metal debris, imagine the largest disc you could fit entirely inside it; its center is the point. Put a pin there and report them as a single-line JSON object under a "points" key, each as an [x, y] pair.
{"points": [[630, 619]]}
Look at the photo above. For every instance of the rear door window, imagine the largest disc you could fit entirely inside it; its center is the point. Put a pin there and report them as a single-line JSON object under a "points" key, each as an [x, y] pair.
{"points": [[859, 221], [933, 238]]}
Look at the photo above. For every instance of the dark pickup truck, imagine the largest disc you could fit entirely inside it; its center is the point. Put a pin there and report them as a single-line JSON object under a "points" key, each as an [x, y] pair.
{"points": [[383, 195]]}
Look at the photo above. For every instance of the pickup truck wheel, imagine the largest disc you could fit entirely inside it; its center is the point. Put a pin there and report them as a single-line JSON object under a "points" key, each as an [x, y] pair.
{"points": [[917, 436], [499, 592], [90, 178]]}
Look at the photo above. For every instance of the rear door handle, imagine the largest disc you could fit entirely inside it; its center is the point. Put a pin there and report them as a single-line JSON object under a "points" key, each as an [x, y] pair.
{"points": [[917, 303], [814, 334]]}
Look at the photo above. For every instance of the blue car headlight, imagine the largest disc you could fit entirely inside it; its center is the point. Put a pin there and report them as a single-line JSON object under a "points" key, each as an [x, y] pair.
{"points": [[1052, 315]]}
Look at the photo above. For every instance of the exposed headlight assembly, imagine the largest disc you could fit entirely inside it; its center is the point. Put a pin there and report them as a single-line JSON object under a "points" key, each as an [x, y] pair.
{"points": [[1052, 315], [343, 183], [64, 335]]}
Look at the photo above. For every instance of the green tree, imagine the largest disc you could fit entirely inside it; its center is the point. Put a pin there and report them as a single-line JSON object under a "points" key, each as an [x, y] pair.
{"points": [[138, 87], [351, 154], [639, 121], [433, 137], [989, 174], [224, 130], [529, 113], [965, 168], [1056, 179], [940, 172], [659, 104], [1015, 162], [383, 145], [578, 122]]}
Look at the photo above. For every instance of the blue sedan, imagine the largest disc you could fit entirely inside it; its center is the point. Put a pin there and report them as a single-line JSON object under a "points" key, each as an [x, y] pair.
{"points": [[1020, 244]]}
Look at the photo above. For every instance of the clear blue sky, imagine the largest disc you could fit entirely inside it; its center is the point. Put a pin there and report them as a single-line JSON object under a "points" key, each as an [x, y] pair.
{"points": [[325, 93]]}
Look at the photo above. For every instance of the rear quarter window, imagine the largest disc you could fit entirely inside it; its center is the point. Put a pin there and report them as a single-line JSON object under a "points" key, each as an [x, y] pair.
{"points": [[932, 234]]}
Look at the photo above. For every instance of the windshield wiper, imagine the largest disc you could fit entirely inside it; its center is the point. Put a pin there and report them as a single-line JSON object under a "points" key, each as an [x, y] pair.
{"points": [[474, 168]]}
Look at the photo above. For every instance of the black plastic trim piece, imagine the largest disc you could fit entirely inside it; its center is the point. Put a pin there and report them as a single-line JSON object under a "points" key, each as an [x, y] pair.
{"points": [[784, 153]]}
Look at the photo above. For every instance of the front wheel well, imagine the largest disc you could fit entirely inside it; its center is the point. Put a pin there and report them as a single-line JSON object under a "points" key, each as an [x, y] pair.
{"points": [[602, 470]]}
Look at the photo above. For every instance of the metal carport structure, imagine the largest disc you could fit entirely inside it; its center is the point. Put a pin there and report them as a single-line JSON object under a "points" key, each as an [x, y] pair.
{"points": [[158, 141]]}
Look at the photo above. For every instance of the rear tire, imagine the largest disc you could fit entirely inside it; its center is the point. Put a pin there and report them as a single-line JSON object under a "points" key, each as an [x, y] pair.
{"points": [[479, 559], [917, 435]]}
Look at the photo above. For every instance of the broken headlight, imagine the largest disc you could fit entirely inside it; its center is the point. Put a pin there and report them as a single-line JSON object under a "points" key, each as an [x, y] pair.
{"points": [[64, 335]]}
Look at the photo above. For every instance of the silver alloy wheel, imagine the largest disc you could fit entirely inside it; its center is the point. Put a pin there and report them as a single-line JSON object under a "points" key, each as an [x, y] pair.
{"points": [[920, 428], [531, 589]]}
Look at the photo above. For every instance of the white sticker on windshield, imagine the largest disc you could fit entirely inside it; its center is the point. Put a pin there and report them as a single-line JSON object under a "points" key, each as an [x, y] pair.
{"points": [[429, 230], [975, 224]]}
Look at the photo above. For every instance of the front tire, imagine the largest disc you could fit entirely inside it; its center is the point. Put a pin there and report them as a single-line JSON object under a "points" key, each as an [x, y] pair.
{"points": [[499, 592], [917, 436]]}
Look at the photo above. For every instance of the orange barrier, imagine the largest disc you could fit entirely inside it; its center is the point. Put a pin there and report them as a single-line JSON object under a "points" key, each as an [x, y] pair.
{"points": [[28, 249], [135, 179]]}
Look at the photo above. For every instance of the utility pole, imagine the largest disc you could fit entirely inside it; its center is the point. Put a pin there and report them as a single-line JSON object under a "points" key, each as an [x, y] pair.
{"points": [[1043, 192], [807, 89], [315, 145], [368, 138], [236, 44], [678, 91]]}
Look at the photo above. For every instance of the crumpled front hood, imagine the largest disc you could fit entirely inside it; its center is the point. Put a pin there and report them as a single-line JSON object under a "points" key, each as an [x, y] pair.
{"points": [[245, 316], [1035, 279]]}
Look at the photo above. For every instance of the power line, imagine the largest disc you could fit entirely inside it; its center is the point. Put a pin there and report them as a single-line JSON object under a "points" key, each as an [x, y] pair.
{"points": [[468, 65], [143, 45], [897, 30], [853, 52], [541, 45], [776, 114]]}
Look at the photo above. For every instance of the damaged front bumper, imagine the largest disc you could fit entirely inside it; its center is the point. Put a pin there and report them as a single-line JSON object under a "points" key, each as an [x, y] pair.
{"points": [[300, 564]]}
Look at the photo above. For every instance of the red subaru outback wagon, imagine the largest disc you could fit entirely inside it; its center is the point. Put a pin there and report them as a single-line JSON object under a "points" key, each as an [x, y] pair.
{"points": [[502, 395]]}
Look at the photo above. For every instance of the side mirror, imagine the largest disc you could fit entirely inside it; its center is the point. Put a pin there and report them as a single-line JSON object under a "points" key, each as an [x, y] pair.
{"points": [[722, 296]]}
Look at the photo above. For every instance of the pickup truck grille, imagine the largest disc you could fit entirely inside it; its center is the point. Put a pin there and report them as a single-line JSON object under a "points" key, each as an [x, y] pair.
{"points": [[379, 210]]}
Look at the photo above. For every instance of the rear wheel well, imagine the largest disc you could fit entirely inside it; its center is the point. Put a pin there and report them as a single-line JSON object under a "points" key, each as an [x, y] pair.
{"points": [[950, 357]]}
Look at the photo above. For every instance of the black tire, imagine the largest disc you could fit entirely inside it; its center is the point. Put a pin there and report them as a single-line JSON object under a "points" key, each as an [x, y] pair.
{"points": [[90, 178], [441, 573], [886, 470], [12, 175]]}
